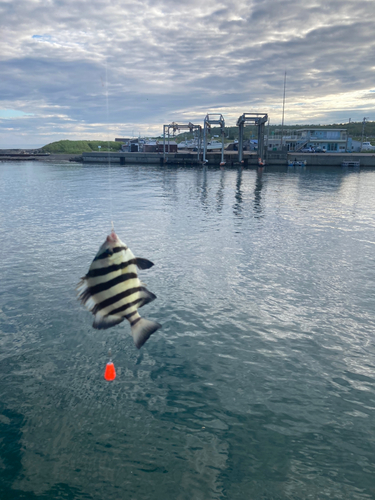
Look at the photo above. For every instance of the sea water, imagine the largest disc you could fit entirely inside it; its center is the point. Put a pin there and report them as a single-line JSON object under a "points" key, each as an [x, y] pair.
{"points": [[261, 383]]}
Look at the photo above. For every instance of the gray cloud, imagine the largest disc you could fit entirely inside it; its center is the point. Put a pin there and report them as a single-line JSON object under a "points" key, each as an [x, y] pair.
{"points": [[162, 61]]}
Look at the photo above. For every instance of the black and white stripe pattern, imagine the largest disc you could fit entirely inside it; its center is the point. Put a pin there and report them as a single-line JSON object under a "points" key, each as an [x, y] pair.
{"points": [[112, 291]]}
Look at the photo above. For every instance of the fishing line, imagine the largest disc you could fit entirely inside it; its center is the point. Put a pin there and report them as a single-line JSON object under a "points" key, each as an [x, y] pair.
{"points": [[109, 373], [109, 154]]}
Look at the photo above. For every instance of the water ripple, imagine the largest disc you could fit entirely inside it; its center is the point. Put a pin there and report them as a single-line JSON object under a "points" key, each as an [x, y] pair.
{"points": [[262, 377]]}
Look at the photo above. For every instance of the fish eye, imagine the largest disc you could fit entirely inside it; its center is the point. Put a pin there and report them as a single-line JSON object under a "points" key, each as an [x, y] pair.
{"points": [[108, 252]]}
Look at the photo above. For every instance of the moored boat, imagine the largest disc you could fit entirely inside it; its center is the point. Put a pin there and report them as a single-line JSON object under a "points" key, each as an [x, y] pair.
{"points": [[351, 163], [211, 146], [295, 163]]}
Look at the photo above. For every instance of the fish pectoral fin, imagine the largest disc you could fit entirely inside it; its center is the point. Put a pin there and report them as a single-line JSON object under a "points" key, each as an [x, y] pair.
{"points": [[146, 297], [143, 263], [84, 294], [103, 322], [142, 331], [81, 286]]}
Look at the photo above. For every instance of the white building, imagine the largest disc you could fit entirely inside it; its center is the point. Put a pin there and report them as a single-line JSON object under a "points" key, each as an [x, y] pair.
{"points": [[330, 140]]}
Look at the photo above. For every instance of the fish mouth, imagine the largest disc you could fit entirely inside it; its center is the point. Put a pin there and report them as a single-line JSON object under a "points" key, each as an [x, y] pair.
{"points": [[112, 238]]}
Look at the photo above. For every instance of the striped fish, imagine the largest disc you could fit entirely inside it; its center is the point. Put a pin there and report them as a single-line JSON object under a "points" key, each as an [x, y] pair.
{"points": [[112, 291]]}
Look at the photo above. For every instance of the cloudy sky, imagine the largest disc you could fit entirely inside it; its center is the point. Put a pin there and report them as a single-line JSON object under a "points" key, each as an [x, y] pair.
{"points": [[73, 69]]}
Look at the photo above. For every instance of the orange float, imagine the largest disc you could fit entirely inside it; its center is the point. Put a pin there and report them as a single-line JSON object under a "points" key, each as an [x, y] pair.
{"points": [[110, 372]]}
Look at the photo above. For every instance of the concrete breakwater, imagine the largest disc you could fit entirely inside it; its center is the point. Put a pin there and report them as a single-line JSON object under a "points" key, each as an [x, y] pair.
{"points": [[5, 156]]}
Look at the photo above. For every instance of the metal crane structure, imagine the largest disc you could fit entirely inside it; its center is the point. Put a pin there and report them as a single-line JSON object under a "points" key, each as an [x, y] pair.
{"points": [[176, 127], [259, 119], [213, 119]]}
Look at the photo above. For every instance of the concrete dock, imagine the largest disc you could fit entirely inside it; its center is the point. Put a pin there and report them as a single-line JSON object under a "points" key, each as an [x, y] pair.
{"points": [[180, 158], [186, 158], [231, 158]]}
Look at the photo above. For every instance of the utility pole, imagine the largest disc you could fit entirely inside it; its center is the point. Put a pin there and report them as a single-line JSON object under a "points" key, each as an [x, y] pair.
{"points": [[282, 121], [363, 129]]}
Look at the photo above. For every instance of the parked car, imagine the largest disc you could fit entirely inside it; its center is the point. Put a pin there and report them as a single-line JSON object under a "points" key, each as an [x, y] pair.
{"points": [[320, 150], [367, 146], [307, 150]]}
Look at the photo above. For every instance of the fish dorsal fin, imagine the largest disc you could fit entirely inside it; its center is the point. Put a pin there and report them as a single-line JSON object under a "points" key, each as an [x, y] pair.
{"points": [[143, 263]]}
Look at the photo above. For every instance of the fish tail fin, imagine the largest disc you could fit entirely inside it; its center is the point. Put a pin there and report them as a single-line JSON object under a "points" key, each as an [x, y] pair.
{"points": [[142, 331]]}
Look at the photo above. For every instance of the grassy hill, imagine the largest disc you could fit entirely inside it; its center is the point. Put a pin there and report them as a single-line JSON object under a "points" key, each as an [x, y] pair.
{"points": [[78, 147]]}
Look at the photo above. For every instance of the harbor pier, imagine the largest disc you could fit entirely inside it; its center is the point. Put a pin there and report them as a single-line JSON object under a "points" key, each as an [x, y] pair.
{"points": [[181, 158], [214, 159], [231, 159]]}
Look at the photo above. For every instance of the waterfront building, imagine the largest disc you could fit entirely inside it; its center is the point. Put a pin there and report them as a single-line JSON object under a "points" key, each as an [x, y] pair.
{"points": [[132, 145], [158, 147], [308, 139]]}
